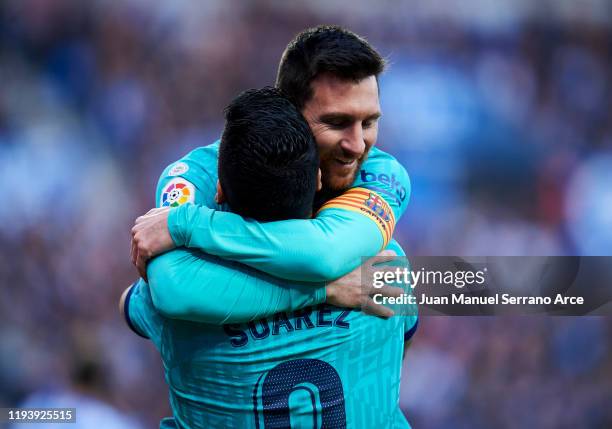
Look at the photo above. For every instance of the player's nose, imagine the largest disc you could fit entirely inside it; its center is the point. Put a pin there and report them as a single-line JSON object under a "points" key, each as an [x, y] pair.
{"points": [[353, 143]]}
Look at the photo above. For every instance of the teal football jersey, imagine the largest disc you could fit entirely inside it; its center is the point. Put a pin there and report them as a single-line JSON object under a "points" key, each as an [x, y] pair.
{"points": [[321, 366]]}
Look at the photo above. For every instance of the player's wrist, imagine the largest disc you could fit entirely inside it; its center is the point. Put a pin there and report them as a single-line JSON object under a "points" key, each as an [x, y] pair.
{"points": [[330, 292]]}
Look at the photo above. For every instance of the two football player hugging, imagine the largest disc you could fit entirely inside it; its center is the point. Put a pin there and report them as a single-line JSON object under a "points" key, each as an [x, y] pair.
{"points": [[254, 287]]}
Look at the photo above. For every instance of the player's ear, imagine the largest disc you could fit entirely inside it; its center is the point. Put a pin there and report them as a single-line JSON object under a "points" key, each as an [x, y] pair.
{"points": [[319, 181], [219, 197]]}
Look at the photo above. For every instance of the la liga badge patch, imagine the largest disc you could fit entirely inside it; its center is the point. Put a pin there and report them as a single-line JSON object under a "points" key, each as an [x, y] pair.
{"points": [[177, 192]]}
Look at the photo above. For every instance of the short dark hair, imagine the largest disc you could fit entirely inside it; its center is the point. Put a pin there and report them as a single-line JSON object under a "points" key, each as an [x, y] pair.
{"points": [[325, 49], [268, 158]]}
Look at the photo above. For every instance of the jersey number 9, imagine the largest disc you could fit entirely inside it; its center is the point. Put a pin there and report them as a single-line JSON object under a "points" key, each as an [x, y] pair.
{"points": [[317, 379]]}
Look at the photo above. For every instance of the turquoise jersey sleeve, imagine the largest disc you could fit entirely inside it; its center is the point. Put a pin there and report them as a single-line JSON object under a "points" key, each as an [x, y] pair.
{"points": [[358, 223], [140, 315], [190, 285]]}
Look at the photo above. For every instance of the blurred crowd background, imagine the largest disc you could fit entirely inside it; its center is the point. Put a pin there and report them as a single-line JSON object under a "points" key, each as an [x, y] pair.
{"points": [[500, 110]]}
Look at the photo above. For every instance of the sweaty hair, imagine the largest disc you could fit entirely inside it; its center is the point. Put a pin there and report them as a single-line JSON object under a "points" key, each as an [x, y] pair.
{"points": [[268, 158], [324, 49]]}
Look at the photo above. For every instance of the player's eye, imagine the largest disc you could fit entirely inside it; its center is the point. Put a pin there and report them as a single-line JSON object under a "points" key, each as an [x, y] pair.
{"points": [[337, 123], [369, 123]]}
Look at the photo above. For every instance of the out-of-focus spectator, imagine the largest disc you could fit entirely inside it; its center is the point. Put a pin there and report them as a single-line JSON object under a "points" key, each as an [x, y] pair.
{"points": [[87, 391]]}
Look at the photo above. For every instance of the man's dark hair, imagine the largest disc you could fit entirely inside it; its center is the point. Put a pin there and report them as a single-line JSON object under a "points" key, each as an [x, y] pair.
{"points": [[324, 49], [268, 158]]}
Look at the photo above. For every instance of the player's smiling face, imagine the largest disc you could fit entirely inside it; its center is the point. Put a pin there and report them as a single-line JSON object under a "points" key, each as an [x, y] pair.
{"points": [[343, 116]]}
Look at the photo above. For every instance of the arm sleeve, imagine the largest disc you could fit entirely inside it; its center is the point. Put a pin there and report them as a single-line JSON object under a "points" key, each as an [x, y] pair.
{"points": [[358, 223], [190, 285], [140, 314]]}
